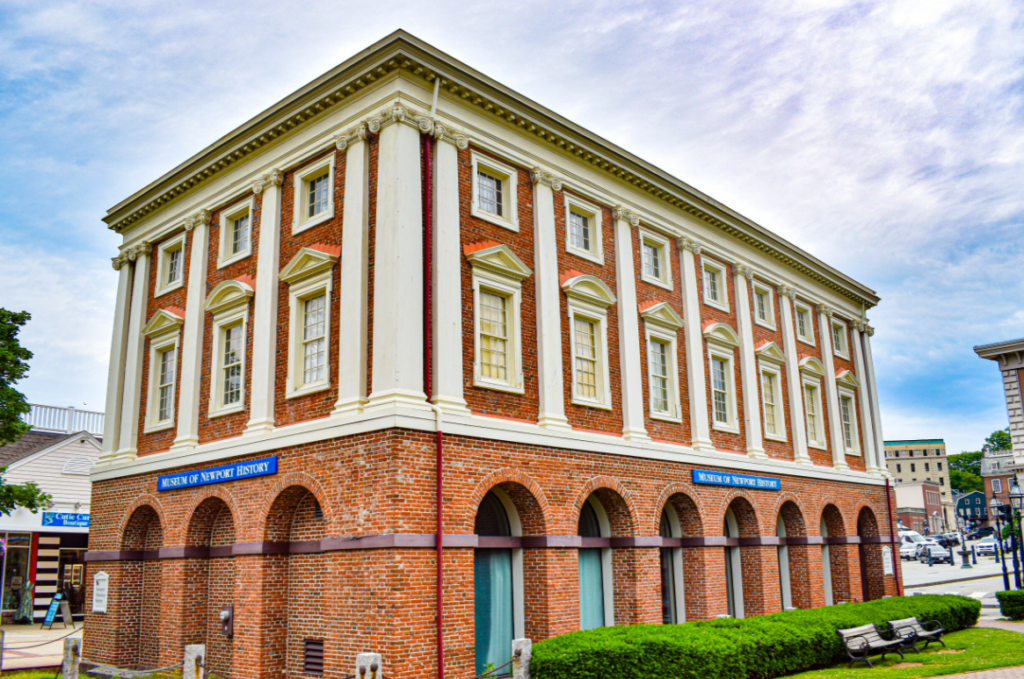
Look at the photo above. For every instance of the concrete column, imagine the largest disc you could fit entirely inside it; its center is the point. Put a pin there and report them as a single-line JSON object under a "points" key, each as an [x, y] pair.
{"points": [[700, 426], [631, 375], [870, 455], [446, 390], [264, 326], [132, 396], [748, 362], [192, 335], [398, 265], [831, 389], [549, 310], [115, 371], [355, 260], [876, 416], [798, 425]]}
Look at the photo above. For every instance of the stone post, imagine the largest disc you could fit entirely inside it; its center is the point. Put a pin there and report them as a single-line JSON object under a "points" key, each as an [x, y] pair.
{"points": [[522, 652], [72, 658], [369, 666], [195, 661]]}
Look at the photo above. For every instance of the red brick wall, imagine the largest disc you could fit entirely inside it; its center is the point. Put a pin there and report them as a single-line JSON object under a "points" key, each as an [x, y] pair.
{"points": [[778, 449]]}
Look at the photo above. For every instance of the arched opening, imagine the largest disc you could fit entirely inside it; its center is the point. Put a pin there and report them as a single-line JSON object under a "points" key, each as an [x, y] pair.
{"points": [[141, 591], [295, 517], [785, 587], [872, 580], [210, 582], [745, 566], [595, 567], [834, 558], [688, 564], [826, 565], [794, 561], [733, 566], [673, 601], [498, 580]]}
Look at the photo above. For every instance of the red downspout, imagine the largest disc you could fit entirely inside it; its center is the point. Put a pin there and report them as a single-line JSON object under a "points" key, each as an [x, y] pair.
{"points": [[428, 224], [892, 537]]}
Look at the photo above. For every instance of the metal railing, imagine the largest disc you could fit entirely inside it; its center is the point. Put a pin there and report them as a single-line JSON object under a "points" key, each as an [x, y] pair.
{"points": [[63, 420]]}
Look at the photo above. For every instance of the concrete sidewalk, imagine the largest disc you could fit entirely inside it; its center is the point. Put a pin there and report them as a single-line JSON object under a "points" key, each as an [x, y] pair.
{"points": [[47, 646]]}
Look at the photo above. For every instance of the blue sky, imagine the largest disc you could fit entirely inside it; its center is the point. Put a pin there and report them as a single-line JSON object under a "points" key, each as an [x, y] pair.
{"points": [[886, 138]]}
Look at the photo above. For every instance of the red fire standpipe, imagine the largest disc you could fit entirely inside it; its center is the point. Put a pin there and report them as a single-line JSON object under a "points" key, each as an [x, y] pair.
{"points": [[892, 537]]}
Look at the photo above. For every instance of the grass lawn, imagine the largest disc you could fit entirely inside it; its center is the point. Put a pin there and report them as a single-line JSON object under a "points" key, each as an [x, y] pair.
{"points": [[979, 649]]}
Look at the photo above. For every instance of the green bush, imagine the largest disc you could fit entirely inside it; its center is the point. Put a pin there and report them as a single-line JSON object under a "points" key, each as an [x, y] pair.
{"points": [[752, 648], [1011, 604]]}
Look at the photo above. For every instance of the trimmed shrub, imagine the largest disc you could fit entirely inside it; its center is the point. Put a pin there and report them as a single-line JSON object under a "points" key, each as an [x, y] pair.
{"points": [[752, 648], [1011, 604]]}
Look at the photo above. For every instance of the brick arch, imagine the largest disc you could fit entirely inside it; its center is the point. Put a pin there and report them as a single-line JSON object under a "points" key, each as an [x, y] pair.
{"points": [[622, 512], [834, 519], [535, 511], [144, 500], [283, 484], [793, 514], [870, 518], [182, 529], [751, 517], [671, 494]]}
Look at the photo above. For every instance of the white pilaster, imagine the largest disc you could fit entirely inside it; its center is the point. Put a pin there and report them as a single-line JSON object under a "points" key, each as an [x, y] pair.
{"points": [[796, 401], [398, 266], [264, 325], [549, 315], [831, 389], [876, 415], [355, 260], [446, 390], [748, 363], [132, 397], [629, 329], [115, 372], [700, 426], [866, 423], [192, 334]]}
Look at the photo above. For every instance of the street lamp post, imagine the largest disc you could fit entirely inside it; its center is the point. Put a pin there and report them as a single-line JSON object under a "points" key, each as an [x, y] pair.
{"points": [[1016, 505], [996, 509]]}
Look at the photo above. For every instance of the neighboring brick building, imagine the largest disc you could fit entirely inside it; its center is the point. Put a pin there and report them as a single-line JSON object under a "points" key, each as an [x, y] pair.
{"points": [[653, 409], [998, 468], [922, 460], [919, 506]]}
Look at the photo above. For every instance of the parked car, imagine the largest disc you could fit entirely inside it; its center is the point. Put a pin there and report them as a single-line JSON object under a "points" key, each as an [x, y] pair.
{"points": [[908, 550], [921, 546], [948, 540], [982, 532], [937, 553], [986, 546]]}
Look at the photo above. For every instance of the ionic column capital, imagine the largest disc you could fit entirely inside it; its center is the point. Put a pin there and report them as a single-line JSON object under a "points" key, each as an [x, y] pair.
{"points": [[399, 113], [143, 248], [273, 178], [119, 261], [445, 133], [826, 310], [542, 176], [626, 215], [788, 291], [744, 270], [194, 220], [356, 134], [690, 244]]}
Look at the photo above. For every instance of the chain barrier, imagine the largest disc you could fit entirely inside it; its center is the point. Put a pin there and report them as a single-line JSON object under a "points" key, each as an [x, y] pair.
{"points": [[493, 672], [44, 643], [111, 671]]}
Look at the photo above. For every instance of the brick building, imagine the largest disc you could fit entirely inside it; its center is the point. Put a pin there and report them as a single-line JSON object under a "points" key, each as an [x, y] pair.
{"points": [[919, 507], [922, 460], [405, 303]]}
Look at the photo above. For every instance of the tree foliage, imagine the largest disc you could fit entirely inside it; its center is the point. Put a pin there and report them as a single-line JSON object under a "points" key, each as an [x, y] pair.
{"points": [[27, 496], [13, 366], [965, 482], [966, 462], [999, 440]]}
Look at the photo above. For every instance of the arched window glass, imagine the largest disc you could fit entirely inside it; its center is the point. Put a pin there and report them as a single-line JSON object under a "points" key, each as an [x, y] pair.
{"points": [[668, 585], [826, 565], [591, 576], [733, 567], [492, 571], [783, 554]]}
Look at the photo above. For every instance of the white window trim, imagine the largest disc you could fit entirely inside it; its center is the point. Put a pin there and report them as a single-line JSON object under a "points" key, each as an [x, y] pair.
{"points": [[298, 293], [247, 206], [847, 392], [668, 336], [775, 370], [511, 290], [799, 306], [816, 382], [661, 242], [722, 270], [300, 200], [510, 180], [725, 354], [238, 316], [997, 486], [599, 317], [756, 287], [163, 260], [158, 344], [596, 252], [845, 353]]}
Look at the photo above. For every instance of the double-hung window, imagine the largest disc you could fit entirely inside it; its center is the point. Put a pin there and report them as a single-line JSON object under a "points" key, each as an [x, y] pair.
{"points": [[314, 339], [314, 194], [764, 305], [722, 342], [228, 303], [804, 322], [769, 394], [848, 419], [165, 384], [720, 389], [715, 290], [812, 408], [310, 279], [770, 359], [655, 258], [232, 345], [588, 301], [585, 359], [839, 343], [170, 263], [163, 333], [583, 229], [658, 356], [661, 325], [494, 191], [236, 232], [997, 486]]}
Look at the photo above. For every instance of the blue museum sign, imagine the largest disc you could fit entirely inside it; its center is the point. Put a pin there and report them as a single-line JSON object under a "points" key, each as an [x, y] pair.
{"points": [[710, 478], [65, 520], [228, 472]]}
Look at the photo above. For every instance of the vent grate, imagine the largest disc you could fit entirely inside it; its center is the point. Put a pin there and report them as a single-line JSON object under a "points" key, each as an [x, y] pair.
{"points": [[313, 657]]}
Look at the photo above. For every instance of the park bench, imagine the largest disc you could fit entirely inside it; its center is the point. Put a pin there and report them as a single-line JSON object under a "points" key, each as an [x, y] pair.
{"points": [[911, 628], [867, 640]]}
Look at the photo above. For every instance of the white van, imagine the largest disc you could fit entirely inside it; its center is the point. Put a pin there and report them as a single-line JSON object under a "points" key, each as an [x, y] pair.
{"points": [[910, 542]]}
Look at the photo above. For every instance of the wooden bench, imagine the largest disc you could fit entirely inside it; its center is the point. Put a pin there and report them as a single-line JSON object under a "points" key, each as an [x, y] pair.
{"points": [[912, 628], [867, 640]]}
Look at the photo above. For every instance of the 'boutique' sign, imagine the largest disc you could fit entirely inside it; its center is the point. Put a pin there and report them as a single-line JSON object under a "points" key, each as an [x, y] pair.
{"points": [[229, 472], [709, 478]]}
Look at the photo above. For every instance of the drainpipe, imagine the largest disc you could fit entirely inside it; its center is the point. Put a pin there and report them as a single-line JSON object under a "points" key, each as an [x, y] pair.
{"points": [[892, 538]]}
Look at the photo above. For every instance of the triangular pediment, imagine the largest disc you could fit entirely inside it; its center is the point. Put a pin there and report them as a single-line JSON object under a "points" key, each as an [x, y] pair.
{"points": [[228, 295], [498, 259], [769, 351], [662, 314], [590, 289], [721, 334], [812, 366], [309, 262], [164, 321], [846, 378]]}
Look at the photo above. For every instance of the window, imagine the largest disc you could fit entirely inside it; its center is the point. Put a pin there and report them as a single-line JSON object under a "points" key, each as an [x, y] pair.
{"points": [[942, 482], [661, 324], [235, 232], [720, 389], [714, 284], [171, 264], [722, 341], [913, 467], [804, 323], [583, 229], [899, 469], [310, 279], [848, 417], [655, 260], [229, 305], [585, 358], [658, 357], [764, 305], [498, 582], [589, 299], [770, 399], [938, 465], [770, 360], [494, 192], [164, 333], [597, 608], [497, 296], [812, 406], [926, 467], [997, 485], [839, 345], [314, 194]]}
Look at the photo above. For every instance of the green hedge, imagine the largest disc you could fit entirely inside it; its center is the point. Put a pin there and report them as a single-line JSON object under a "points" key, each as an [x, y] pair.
{"points": [[754, 648], [1011, 604]]}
